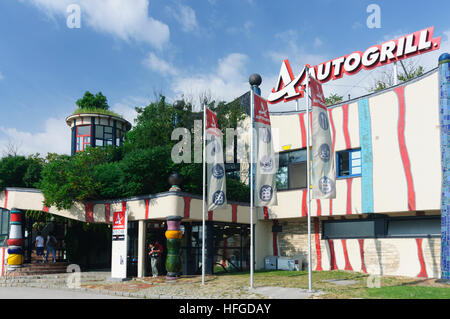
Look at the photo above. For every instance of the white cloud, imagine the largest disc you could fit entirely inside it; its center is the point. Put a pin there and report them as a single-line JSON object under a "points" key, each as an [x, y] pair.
{"points": [[245, 29], [159, 65], [186, 16], [317, 42], [55, 138], [228, 81], [127, 20]]}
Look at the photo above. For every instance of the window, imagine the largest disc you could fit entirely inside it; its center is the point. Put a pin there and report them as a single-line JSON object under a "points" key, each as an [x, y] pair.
{"points": [[4, 225], [233, 170], [83, 137], [349, 163], [104, 135], [353, 229], [417, 227], [291, 173], [120, 137], [382, 226]]}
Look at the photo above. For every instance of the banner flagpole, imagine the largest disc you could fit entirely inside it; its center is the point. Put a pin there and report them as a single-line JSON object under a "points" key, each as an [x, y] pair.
{"points": [[204, 194], [308, 173], [252, 102]]}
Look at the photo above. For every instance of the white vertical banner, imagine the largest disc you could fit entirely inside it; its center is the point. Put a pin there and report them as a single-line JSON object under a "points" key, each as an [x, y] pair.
{"points": [[323, 175], [217, 194], [119, 245], [266, 163]]}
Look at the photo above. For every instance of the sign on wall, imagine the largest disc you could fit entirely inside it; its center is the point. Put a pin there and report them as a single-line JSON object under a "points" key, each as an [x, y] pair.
{"points": [[289, 87], [119, 245]]}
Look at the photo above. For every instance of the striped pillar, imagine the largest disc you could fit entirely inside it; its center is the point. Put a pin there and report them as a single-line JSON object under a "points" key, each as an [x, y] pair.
{"points": [[174, 265], [15, 240], [444, 90]]}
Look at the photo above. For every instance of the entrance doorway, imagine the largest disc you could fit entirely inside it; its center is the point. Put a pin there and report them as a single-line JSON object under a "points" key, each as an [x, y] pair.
{"points": [[156, 232]]}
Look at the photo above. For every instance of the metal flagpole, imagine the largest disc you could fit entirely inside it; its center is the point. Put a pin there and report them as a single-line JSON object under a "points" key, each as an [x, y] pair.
{"points": [[204, 193], [308, 167], [252, 101]]}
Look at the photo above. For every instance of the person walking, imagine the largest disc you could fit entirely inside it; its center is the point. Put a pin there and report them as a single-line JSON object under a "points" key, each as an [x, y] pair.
{"points": [[51, 247], [39, 244]]}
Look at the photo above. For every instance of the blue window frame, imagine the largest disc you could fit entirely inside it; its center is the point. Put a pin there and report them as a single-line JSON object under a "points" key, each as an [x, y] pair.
{"points": [[349, 163]]}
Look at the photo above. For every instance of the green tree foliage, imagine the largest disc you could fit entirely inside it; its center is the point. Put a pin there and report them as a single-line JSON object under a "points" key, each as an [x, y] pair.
{"points": [[141, 166], [90, 101], [333, 99], [74, 178], [406, 72], [19, 171]]}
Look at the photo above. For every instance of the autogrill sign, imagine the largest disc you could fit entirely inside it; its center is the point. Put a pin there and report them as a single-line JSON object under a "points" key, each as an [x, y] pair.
{"points": [[290, 88]]}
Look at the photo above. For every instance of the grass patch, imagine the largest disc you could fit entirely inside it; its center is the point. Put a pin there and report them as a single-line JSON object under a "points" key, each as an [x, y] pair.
{"points": [[96, 111], [392, 287], [409, 292]]}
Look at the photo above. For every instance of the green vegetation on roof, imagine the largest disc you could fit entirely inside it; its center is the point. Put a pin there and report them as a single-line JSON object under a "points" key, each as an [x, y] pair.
{"points": [[97, 111]]}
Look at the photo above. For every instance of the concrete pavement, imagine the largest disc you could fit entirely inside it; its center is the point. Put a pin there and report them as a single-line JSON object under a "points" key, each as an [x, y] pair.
{"points": [[40, 293]]}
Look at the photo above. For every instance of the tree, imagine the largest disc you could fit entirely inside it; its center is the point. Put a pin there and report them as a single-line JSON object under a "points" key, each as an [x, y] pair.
{"points": [[67, 179], [141, 166], [333, 99], [90, 101], [407, 72], [19, 171]]}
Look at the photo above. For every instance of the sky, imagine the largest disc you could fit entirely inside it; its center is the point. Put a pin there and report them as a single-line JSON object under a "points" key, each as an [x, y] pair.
{"points": [[134, 50]]}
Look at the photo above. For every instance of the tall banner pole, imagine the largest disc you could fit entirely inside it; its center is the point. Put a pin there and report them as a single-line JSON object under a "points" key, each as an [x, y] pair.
{"points": [[204, 194], [252, 102], [308, 173]]}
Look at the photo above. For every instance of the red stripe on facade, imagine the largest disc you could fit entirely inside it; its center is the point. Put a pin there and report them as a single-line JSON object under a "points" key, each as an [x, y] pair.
{"points": [[333, 136], [224, 254], [304, 203], [275, 237], [403, 150], [234, 213], [333, 265], [349, 195], [124, 206], [317, 239], [147, 204], [266, 212], [89, 212], [331, 206], [348, 266], [107, 212], [187, 206], [423, 269], [361, 251], [303, 128], [6, 199], [319, 208], [210, 215], [348, 144]]}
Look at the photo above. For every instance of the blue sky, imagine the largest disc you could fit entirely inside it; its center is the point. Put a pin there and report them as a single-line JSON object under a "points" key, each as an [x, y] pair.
{"points": [[132, 50]]}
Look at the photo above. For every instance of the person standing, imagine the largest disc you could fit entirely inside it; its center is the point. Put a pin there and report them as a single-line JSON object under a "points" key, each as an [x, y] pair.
{"points": [[39, 244], [155, 254], [51, 247]]}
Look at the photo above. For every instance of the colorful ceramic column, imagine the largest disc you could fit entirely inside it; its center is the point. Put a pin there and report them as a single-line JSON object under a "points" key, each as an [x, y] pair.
{"points": [[444, 92], [173, 259], [15, 241]]}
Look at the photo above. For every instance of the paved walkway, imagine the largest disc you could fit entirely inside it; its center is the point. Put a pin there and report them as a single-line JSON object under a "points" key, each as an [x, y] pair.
{"points": [[96, 285], [285, 293], [41, 293]]}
